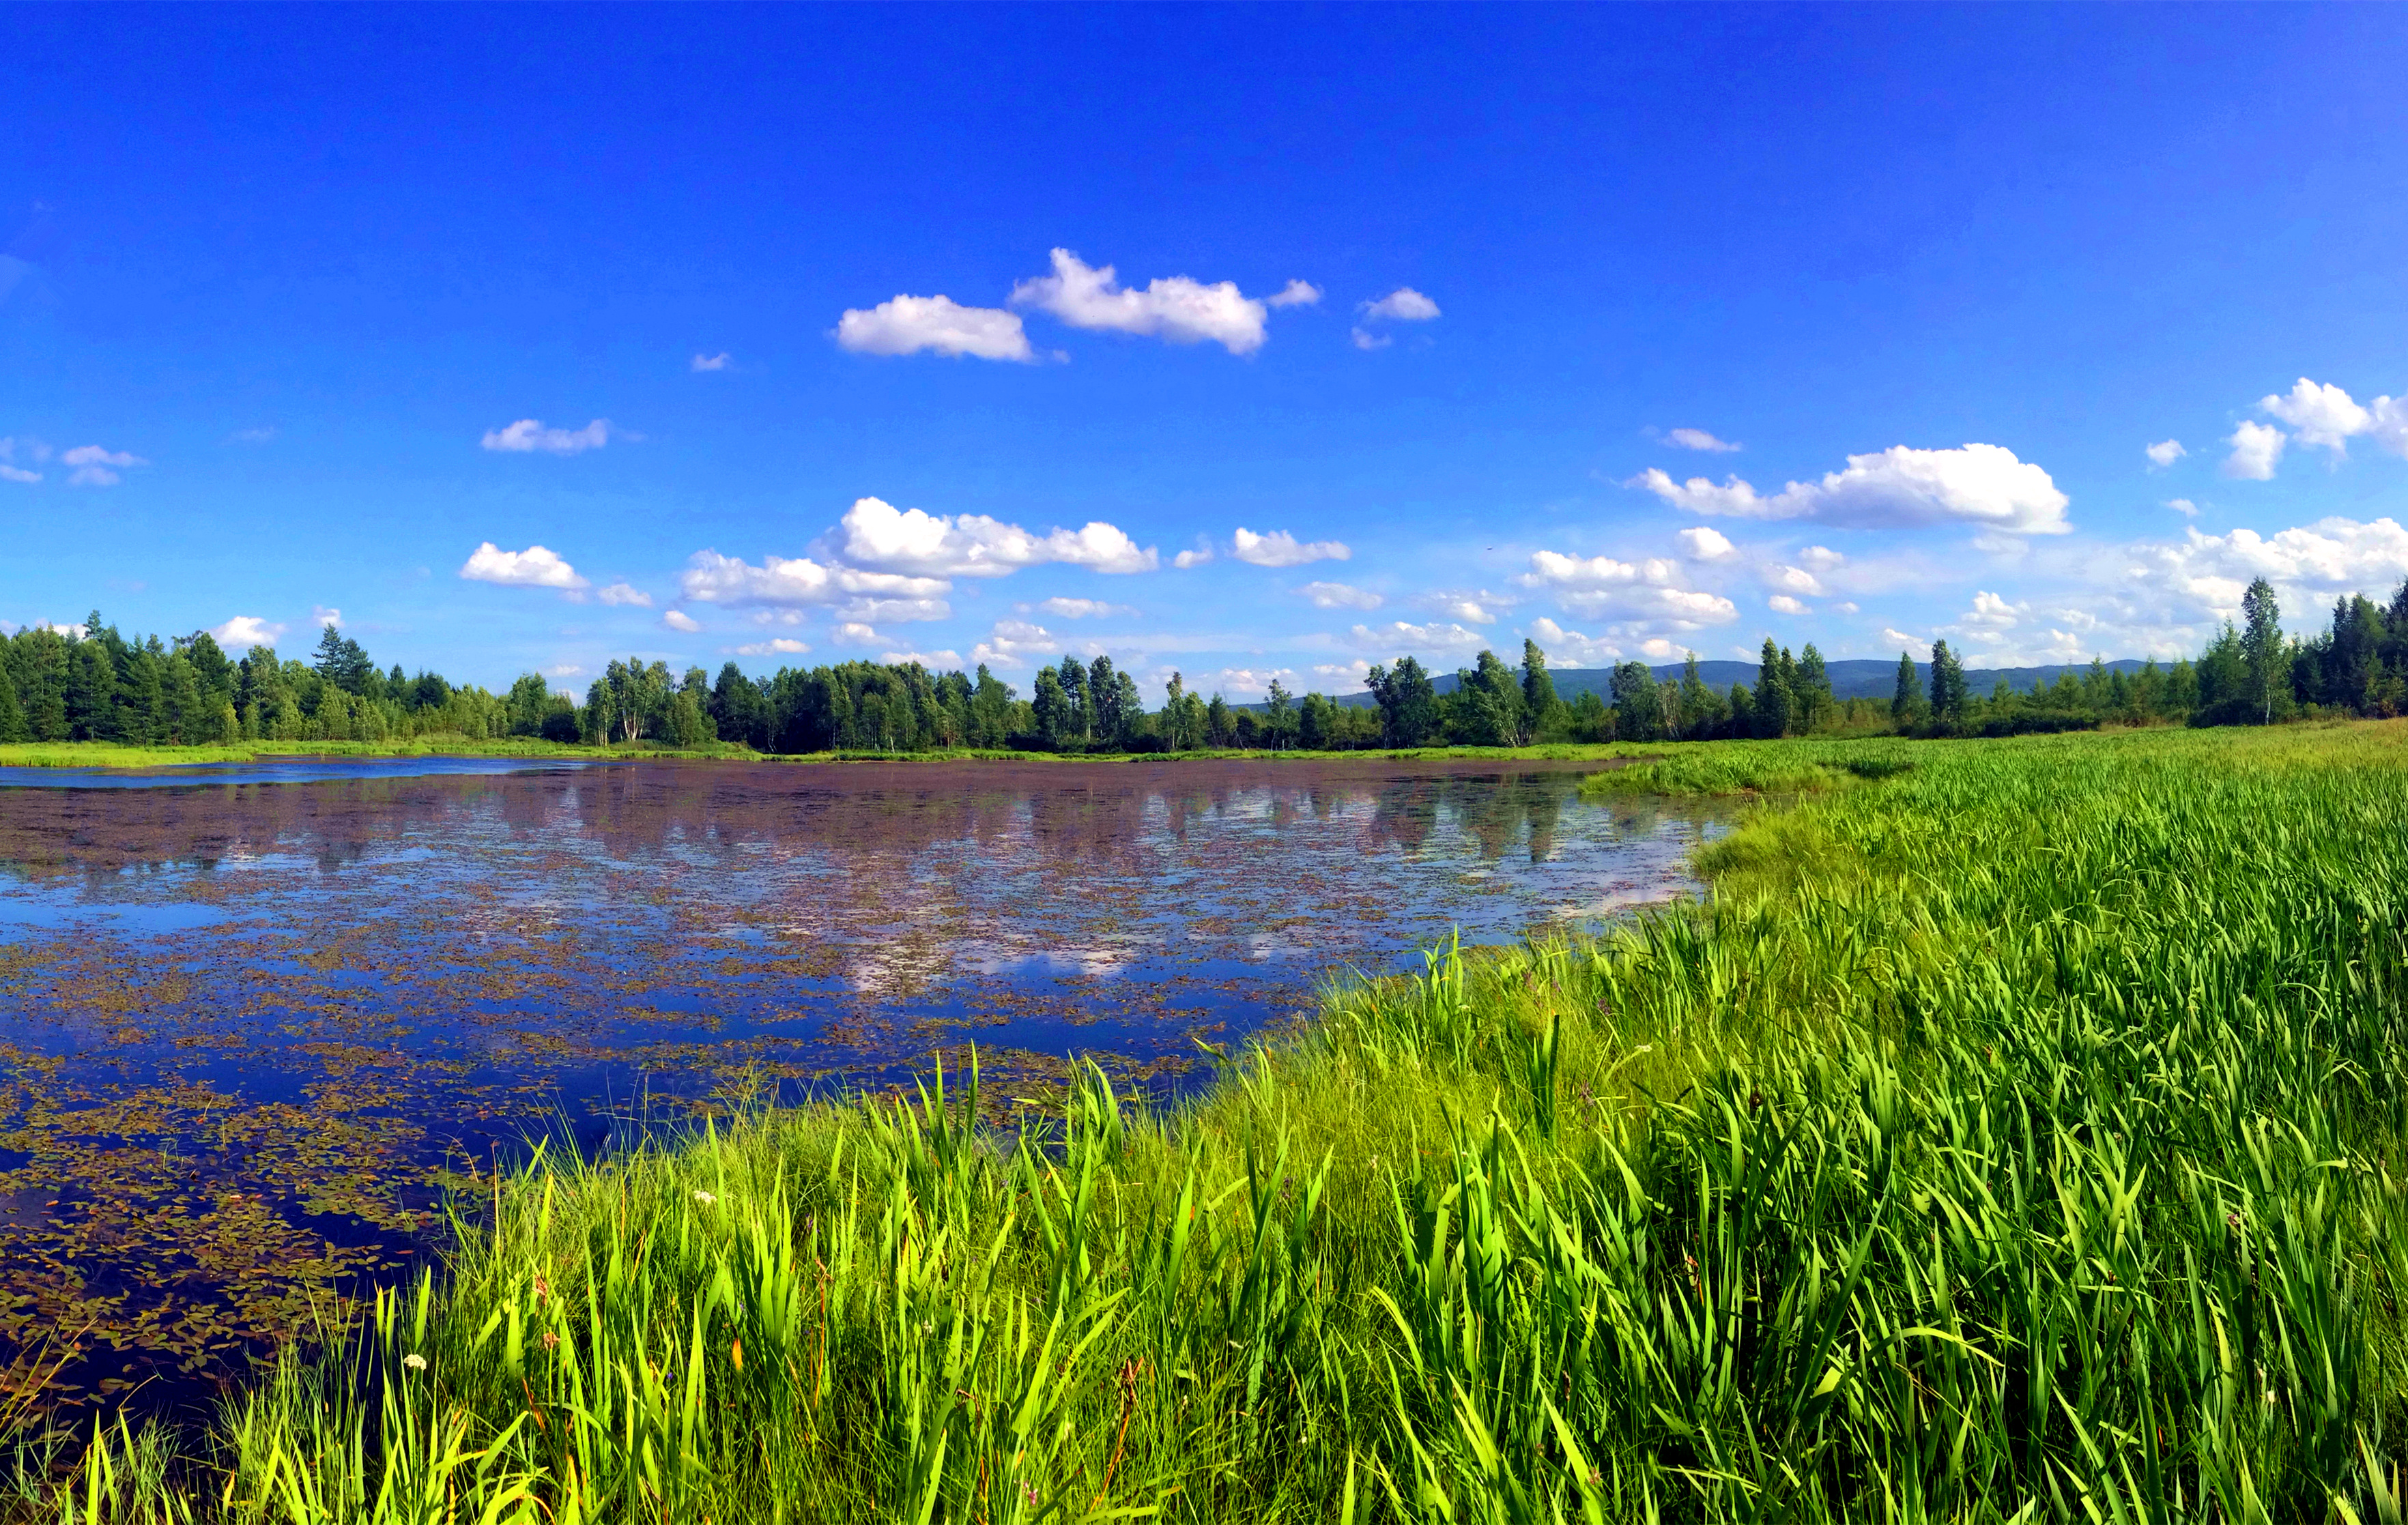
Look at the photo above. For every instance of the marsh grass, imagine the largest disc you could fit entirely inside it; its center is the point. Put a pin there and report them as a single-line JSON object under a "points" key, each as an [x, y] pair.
{"points": [[2034, 1154]]}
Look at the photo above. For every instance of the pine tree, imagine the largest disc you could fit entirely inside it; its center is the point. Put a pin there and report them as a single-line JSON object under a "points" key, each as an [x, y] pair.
{"points": [[1775, 708], [1907, 702], [1813, 691], [12, 715], [1538, 691]]}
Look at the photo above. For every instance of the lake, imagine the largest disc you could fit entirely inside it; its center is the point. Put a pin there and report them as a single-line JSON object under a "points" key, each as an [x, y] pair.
{"points": [[256, 1021]]}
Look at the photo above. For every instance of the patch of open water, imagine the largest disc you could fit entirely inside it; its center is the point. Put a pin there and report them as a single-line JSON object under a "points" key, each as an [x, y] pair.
{"points": [[254, 1022]]}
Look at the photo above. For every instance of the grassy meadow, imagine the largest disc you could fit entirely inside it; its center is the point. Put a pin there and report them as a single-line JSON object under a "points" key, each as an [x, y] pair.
{"points": [[2014, 1134]]}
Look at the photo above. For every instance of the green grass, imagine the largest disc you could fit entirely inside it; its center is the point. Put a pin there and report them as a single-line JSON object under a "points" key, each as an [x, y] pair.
{"points": [[2015, 1137]]}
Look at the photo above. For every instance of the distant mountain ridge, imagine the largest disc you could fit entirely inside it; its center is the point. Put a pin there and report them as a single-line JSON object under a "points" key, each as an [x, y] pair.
{"points": [[1857, 677]]}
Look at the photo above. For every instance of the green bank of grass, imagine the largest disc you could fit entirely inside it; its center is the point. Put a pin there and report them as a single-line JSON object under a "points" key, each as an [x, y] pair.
{"points": [[2033, 1153]]}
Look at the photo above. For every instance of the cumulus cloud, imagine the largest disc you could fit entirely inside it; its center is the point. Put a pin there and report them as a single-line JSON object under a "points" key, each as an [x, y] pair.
{"points": [[1571, 649], [1401, 637], [782, 645], [1178, 310], [1016, 643], [1703, 543], [2165, 452], [905, 325], [893, 610], [2320, 416], [2257, 447], [1474, 608], [245, 631], [710, 577], [1296, 294], [719, 362], [1247, 680], [534, 567], [625, 594], [1821, 558], [1790, 579], [1644, 591], [1698, 439], [325, 614], [876, 533], [941, 661], [1281, 549], [2206, 573], [1339, 595], [680, 621], [93, 466], [2184, 506], [1197, 557], [1784, 604], [530, 434], [1081, 608], [1358, 672], [1985, 486], [1402, 305], [1904, 641], [854, 633], [1992, 612]]}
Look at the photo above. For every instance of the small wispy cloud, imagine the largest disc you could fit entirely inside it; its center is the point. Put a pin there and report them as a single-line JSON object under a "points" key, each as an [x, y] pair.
{"points": [[529, 435], [719, 362]]}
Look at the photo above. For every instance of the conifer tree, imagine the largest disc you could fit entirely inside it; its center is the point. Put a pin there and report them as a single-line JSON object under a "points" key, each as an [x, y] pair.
{"points": [[12, 715], [1947, 683], [1907, 702]]}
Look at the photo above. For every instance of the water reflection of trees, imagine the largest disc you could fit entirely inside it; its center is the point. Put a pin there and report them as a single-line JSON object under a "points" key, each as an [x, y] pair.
{"points": [[1116, 819]]}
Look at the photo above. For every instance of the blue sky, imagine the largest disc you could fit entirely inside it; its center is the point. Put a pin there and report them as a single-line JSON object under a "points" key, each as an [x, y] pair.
{"points": [[528, 337]]}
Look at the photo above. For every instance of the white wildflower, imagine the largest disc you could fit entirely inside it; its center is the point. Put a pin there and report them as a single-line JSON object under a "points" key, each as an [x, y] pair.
{"points": [[414, 1361]]}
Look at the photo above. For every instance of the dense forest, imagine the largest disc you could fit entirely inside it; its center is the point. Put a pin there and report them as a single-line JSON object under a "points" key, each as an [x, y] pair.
{"points": [[90, 683]]}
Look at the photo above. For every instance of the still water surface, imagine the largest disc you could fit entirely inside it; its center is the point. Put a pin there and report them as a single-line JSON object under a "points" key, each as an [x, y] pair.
{"points": [[254, 1019]]}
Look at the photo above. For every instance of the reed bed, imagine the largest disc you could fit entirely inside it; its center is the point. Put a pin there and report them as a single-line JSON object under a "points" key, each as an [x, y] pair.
{"points": [[2011, 1137]]}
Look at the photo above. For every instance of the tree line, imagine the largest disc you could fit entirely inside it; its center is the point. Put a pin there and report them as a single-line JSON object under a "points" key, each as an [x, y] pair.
{"points": [[92, 683]]}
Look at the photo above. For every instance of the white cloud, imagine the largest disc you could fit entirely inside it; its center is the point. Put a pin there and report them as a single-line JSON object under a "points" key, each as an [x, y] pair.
{"points": [[1821, 558], [854, 633], [253, 436], [1992, 612], [1339, 595], [1792, 579], [1398, 635], [2257, 447], [905, 325], [1364, 339], [1659, 650], [2308, 564], [97, 467], [1179, 309], [528, 434], [1471, 607], [936, 661], [2165, 452], [322, 613], [1402, 305], [2322, 415], [1982, 485], [1901, 639], [710, 577], [534, 567], [1643, 591], [34, 449], [1702, 543], [680, 621], [782, 647], [1081, 608], [719, 362], [243, 631], [1784, 604], [1296, 294], [565, 669], [893, 610], [2183, 506], [1357, 673], [1016, 643], [1281, 549], [1846, 608], [1247, 680], [878, 535], [1186, 559], [625, 594], [1571, 649], [1698, 439]]}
